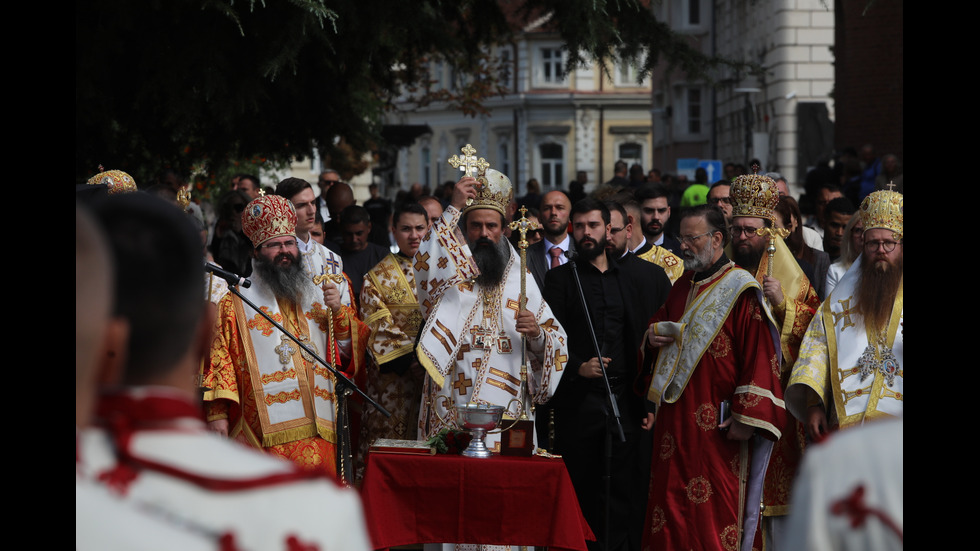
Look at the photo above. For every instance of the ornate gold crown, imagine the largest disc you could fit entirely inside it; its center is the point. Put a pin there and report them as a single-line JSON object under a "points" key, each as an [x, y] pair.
{"points": [[117, 180], [495, 191], [268, 217], [883, 209], [754, 195]]}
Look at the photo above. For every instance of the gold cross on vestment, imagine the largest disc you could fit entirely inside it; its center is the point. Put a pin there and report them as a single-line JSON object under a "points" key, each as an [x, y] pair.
{"points": [[462, 384], [845, 313], [514, 305], [469, 164]]}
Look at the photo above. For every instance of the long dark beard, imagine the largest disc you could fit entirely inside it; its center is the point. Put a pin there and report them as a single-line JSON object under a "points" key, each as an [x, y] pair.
{"points": [[288, 282], [748, 260], [491, 258], [877, 289]]}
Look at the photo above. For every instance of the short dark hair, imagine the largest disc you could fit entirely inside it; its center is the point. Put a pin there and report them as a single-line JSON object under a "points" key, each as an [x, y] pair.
{"points": [[354, 214], [840, 205], [255, 180], [588, 205], [713, 216], [159, 276], [409, 207], [289, 187], [618, 207], [651, 191]]}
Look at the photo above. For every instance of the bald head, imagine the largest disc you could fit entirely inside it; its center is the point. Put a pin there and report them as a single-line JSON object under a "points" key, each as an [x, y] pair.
{"points": [[339, 197], [555, 210], [432, 207]]}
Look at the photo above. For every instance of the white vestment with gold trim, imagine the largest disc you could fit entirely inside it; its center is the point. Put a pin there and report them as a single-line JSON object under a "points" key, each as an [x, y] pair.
{"points": [[470, 346], [829, 364]]}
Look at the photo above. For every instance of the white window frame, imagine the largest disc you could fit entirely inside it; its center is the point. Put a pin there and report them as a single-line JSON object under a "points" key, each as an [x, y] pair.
{"points": [[545, 56], [554, 166]]}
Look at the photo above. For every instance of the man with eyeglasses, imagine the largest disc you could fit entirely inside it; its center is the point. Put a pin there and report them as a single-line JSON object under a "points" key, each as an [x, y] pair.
{"points": [[711, 357], [719, 196], [263, 390], [793, 302], [851, 365]]}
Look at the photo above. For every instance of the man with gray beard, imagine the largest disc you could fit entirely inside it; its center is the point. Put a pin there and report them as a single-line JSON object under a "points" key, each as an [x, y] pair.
{"points": [[711, 354], [469, 284], [262, 389]]}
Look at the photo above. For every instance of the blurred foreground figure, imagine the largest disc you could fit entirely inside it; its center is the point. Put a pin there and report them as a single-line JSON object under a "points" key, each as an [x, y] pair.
{"points": [[850, 492], [151, 447]]}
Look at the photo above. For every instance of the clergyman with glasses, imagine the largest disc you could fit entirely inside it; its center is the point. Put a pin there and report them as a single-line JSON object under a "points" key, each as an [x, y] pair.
{"points": [[712, 354]]}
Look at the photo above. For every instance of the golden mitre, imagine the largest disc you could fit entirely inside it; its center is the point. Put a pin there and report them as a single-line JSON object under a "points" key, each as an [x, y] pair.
{"points": [[754, 195], [495, 190], [883, 209], [116, 180]]}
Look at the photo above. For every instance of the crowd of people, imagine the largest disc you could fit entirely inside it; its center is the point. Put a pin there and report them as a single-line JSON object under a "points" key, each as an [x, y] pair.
{"points": [[688, 352]]}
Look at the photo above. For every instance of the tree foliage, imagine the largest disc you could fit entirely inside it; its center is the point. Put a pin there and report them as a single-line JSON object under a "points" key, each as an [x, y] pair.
{"points": [[180, 83]]}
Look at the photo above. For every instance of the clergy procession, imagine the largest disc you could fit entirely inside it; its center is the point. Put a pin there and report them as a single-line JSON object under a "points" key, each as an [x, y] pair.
{"points": [[694, 373]]}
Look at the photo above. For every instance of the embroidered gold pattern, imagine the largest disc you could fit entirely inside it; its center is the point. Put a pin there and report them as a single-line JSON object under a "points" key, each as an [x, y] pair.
{"points": [[729, 538], [657, 520], [258, 322], [721, 347], [699, 490], [282, 397], [706, 416], [667, 446], [749, 399], [278, 376]]}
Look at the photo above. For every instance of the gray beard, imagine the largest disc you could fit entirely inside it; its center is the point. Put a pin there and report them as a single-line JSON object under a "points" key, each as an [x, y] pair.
{"points": [[699, 262], [290, 283], [491, 260]]}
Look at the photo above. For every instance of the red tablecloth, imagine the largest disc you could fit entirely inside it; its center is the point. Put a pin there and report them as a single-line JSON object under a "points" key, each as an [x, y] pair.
{"points": [[453, 499]]}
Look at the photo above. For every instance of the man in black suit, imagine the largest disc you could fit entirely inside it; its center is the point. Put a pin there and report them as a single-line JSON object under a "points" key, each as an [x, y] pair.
{"points": [[622, 296], [655, 214], [555, 209]]}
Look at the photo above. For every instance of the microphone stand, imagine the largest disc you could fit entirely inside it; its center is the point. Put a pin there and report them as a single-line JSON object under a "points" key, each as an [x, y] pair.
{"points": [[613, 420], [342, 388]]}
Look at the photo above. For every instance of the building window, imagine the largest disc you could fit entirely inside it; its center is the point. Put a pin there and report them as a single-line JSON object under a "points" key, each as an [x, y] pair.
{"points": [[693, 110], [503, 157], [552, 164], [627, 72], [694, 12], [549, 67], [688, 15], [425, 166], [631, 152], [505, 62]]}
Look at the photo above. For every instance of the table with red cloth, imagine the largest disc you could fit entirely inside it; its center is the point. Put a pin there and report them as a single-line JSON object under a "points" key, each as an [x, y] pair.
{"points": [[453, 499]]}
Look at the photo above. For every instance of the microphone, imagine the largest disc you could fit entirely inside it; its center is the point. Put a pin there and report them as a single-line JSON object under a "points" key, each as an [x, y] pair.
{"points": [[571, 255], [230, 277]]}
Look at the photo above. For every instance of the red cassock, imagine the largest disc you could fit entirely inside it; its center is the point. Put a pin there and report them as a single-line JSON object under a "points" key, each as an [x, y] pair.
{"points": [[697, 500]]}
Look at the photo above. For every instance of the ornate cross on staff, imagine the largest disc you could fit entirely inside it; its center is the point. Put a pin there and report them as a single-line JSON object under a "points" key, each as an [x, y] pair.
{"points": [[470, 165], [523, 225], [771, 233]]}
